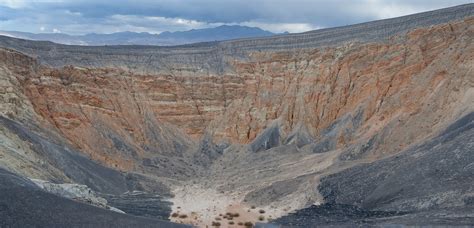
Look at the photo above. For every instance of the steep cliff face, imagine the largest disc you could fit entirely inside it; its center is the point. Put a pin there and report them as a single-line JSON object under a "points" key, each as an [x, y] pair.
{"points": [[104, 113], [245, 122], [400, 92]]}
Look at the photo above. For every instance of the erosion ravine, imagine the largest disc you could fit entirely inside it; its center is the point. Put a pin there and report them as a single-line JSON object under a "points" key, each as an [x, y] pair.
{"points": [[362, 125]]}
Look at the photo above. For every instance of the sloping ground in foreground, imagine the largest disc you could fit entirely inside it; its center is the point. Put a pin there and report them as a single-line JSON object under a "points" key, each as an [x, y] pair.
{"points": [[23, 204], [428, 184]]}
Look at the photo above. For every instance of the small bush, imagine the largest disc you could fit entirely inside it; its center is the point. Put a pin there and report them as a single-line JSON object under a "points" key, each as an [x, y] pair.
{"points": [[261, 211], [236, 214], [218, 219], [183, 216], [261, 218], [240, 223], [253, 207], [248, 224], [174, 215], [216, 224], [231, 222]]}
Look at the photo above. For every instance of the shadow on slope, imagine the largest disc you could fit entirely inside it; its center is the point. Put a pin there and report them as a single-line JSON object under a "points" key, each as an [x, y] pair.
{"points": [[427, 184], [75, 166], [113, 185], [23, 204]]}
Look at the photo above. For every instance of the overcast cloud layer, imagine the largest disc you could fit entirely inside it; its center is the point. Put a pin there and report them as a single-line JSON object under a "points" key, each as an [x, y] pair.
{"points": [[88, 16]]}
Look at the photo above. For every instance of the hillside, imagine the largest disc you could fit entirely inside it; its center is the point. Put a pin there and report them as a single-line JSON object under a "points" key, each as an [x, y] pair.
{"points": [[364, 124]]}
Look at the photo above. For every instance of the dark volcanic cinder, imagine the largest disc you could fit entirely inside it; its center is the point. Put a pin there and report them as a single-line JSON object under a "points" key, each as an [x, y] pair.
{"points": [[369, 124]]}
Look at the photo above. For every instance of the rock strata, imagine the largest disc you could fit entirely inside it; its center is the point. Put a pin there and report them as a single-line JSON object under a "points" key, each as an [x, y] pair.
{"points": [[370, 120]]}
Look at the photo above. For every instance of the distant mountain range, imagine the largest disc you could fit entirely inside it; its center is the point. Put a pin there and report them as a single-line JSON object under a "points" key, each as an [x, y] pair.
{"points": [[224, 32]]}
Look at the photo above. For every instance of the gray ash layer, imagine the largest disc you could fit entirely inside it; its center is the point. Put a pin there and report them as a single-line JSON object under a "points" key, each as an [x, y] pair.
{"points": [[141, 204]]}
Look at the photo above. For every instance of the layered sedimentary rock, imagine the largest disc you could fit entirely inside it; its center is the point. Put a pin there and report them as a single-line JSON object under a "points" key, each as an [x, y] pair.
{"points": [[407, 89], [214, 57], [271, 122]]}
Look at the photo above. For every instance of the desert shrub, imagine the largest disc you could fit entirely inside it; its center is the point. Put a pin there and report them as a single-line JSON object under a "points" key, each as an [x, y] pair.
{"points": [[174, 215], [236, 214], [216, 224], [261, 218], [261, 211], [253, 207], [248, 224], [183, 216], [231, 222], [218, 219], [240, 223]]}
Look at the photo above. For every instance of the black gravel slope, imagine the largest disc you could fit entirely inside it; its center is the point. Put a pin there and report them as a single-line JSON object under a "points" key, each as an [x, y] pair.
{"points": [[22, 204], [430, 184], [436, 174], [112, 184], [70, 161]]}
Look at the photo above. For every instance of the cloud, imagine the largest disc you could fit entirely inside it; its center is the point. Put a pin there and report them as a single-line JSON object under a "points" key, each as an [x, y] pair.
{"points": [[18, 4], [13, 3], [86, 16], [142, 23], [281, 27]]}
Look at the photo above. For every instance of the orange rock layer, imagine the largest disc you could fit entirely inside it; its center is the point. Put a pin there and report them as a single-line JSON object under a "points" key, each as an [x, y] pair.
{"points": [[407, 90]]}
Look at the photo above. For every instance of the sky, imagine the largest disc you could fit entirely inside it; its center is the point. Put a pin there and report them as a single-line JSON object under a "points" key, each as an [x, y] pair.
{"points": [[155, 16]]}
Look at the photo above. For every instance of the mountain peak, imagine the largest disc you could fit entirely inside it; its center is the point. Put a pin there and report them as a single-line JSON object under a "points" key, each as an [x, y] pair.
{"points": [[223, 32]]}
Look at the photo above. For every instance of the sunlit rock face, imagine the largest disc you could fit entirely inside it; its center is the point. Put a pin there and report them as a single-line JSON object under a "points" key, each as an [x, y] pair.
{"points": [[273, 122]]}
